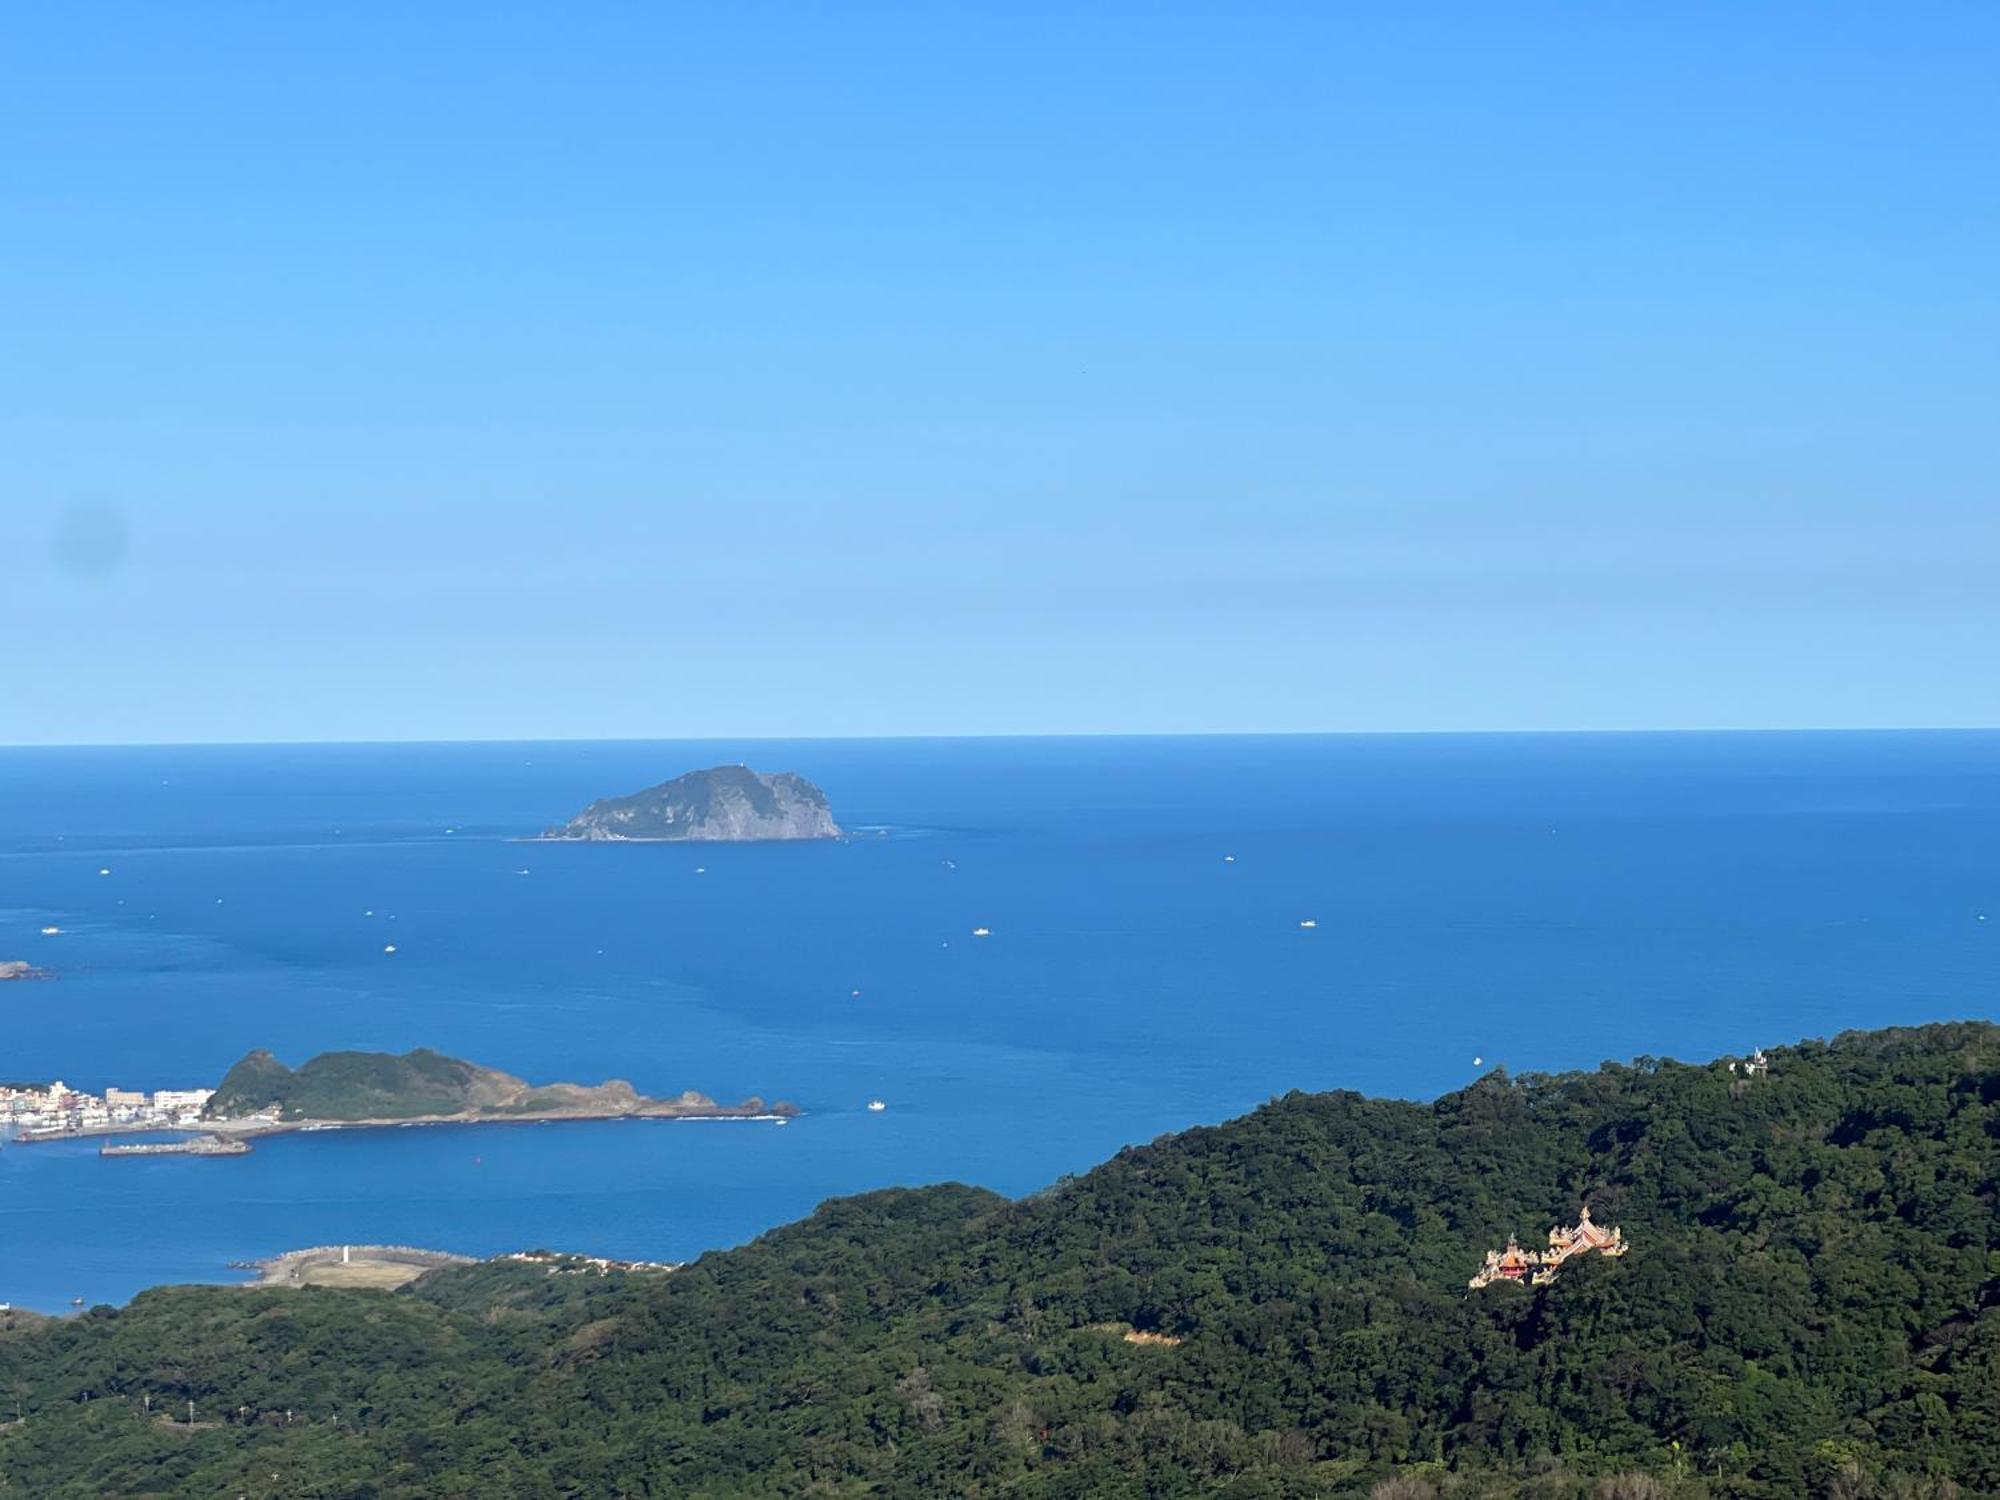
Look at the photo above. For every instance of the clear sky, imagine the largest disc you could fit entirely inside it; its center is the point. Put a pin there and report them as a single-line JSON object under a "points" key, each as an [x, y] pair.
{"points": [[434, 371]]}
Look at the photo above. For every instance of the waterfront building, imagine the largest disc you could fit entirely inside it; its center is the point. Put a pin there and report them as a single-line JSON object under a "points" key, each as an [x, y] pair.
{"points": [[182, 1101]]}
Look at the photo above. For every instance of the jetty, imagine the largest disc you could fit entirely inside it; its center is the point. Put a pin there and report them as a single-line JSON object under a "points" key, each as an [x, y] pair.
{"points": [[198, 1145]]}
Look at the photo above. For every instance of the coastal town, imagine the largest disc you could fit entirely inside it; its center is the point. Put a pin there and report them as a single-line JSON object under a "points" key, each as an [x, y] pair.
{"points": [[260, 1096], [52, 1111]]}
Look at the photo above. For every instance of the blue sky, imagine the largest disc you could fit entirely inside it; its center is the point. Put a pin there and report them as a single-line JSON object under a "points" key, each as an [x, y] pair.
{"points": [[436, 371]]}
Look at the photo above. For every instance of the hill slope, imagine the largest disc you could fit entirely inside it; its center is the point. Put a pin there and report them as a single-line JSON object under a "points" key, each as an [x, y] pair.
{"points": [[361, 1086], [1808, 1307]]}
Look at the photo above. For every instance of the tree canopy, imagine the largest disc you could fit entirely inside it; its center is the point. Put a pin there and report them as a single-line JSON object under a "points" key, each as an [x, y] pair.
{"points": [[1272, 1307]]}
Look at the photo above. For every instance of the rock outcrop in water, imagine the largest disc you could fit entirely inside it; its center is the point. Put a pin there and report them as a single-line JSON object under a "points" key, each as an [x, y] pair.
{"points": [[15, 968], [729, 804]]}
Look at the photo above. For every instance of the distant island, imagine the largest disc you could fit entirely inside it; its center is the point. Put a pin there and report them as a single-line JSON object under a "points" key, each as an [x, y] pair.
{"points": [[14, 968], [728, 804], [383, 1088]]}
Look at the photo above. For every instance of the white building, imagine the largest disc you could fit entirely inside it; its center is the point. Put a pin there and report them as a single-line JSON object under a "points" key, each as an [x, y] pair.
{"points": [[182, 1101]]}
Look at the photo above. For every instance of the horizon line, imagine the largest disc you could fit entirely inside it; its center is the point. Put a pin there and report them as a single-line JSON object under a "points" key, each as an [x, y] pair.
{"points": [[1118, 734]]}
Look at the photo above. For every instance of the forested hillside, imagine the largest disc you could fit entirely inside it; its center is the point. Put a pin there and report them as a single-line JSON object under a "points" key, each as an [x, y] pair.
{"points": [[1808, 1308]]}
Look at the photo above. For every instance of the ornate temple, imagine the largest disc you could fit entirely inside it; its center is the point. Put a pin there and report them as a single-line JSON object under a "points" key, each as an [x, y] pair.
{"points": [[1539, 1267]]}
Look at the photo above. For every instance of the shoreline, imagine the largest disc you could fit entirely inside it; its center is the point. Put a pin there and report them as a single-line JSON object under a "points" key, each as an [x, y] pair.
{"points": [[289, 1267], [252, 1127]]}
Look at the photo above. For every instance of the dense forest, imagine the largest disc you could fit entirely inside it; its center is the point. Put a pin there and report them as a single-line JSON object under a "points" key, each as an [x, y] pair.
{"points": [[1276, 1307]]}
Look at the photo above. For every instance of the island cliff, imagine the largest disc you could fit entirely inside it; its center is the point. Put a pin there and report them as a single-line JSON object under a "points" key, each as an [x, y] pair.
{"points": [[728, 804], [354, 1088]]}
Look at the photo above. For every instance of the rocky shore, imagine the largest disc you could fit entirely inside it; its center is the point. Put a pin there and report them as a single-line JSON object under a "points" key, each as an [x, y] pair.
{"points": [[251, 1126]]}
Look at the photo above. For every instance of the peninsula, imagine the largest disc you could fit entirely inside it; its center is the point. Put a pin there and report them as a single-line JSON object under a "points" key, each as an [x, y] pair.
{"points": [[727, 804], [261, 1094]]}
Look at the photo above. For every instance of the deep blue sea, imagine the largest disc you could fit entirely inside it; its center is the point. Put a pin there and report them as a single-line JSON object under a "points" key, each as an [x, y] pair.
{"points": [[1538, 901]]}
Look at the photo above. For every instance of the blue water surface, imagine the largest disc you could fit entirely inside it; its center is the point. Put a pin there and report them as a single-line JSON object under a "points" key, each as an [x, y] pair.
{"points": [[1535, 901]]}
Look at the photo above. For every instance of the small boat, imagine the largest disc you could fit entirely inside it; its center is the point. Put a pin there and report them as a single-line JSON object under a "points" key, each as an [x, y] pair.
{"points": [[51, 932], [1308, 922], [1229, 859], [1478, 1062], [104, 872], [982, 932], [388, 947], [876, 1106]]}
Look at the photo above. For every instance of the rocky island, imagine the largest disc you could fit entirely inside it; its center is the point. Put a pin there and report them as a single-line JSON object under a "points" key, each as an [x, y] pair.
{"points": [[14, 968], [262, 1094], [728, 804]]}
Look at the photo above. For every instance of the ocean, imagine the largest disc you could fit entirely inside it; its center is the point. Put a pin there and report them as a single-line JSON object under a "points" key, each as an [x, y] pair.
{"points": [[1537, 902]]}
